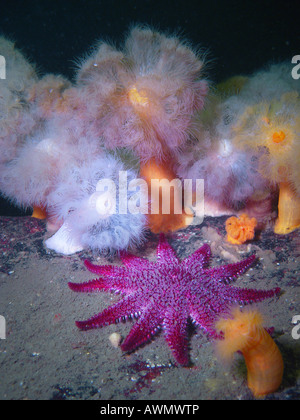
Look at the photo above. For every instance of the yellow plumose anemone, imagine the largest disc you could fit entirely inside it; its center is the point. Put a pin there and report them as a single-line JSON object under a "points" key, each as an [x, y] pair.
{"points": [[271, 132]]}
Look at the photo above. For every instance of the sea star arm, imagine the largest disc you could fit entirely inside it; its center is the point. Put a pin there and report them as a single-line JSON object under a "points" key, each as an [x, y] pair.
{"points": [[199, 259], [128, 307], [105, 270], [205, 309], [118, 285], [230, 271], [245, 296], [165, 253], [144, 329], [175, 325], [133, 262]]}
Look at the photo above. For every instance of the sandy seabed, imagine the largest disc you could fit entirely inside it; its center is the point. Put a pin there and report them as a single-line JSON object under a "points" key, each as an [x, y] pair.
{"points": [[45, 356]]}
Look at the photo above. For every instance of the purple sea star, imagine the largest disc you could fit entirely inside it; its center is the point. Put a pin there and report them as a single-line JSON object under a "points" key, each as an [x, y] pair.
{"points": [[168, 293]]}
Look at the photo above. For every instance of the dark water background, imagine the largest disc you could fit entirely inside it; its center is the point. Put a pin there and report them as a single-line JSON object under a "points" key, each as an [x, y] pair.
{"points": [[238, 36]]}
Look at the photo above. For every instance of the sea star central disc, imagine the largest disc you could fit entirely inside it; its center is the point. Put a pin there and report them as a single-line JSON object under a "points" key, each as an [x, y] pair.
{"points": [[167, 294]]}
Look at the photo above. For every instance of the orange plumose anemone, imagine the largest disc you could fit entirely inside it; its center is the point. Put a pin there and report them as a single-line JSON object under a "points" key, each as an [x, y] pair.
{"points": [[240, 229]]}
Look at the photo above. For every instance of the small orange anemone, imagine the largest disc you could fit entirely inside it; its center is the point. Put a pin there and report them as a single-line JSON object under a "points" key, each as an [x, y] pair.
{"points": [[240, 229], [244, 332]]}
